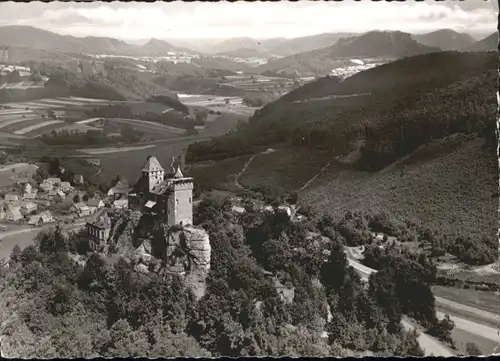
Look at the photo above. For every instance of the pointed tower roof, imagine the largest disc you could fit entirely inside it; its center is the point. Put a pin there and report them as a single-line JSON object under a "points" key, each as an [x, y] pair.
{"points": [[152, 165], [178, 173]]}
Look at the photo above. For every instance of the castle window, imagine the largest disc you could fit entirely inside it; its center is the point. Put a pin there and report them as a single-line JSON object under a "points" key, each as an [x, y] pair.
{"points": [[189, 199]]}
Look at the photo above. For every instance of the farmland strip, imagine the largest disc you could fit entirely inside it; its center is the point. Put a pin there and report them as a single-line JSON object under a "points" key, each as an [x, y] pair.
{"points": [[37, 126]]}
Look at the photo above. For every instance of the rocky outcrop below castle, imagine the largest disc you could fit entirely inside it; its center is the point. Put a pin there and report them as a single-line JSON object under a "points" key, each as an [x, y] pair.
{"points": [[153, 246], [187, 252]]}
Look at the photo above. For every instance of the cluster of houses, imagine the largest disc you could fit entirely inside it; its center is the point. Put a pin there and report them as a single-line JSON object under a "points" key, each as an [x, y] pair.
{"points": [[15, 208]]}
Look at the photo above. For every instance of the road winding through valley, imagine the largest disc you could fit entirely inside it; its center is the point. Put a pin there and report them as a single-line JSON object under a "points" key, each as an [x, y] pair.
{"points": [[455, 310]]}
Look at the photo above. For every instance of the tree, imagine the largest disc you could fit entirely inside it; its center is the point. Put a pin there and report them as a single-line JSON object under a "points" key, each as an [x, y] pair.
{"points": [[52, 242], [15, 255], [76, 198], [443, 329]]}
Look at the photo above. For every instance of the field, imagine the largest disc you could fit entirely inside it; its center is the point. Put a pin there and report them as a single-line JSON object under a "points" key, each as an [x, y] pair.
{"points": [[129, 164], [462, 337], [218, 175], [10, 173], [259, 83], [25, 118], [285, 170]]}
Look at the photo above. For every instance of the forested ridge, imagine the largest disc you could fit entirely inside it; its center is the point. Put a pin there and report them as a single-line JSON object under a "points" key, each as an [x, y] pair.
{"points": [[398, 106], [52, 306]]}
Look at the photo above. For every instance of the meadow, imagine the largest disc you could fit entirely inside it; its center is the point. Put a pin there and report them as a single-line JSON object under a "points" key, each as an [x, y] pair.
{"points": [[217, 175], [283, 171]]}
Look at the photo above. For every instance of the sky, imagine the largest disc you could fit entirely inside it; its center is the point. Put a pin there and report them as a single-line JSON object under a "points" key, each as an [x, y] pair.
{"points": [[260, 20]]}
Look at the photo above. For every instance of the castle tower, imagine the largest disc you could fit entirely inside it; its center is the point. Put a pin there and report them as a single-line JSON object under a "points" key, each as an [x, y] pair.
{"points": [[180, 200], [152, 174]]}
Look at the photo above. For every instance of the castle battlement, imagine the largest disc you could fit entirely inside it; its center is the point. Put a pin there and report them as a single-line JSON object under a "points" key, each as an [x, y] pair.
{"points": [[157, 192]]}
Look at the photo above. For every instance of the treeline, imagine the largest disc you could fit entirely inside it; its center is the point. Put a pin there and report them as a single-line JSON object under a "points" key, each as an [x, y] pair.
{"points": [[78, 86], [53, 306], [174, 118], [356, 230], [91, 137], [173, 103]]}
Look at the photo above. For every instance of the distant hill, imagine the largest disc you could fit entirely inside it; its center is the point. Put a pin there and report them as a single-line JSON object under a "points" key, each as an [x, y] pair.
{"points": [[397, 138], [34, 38], [375, 44], [446, 39], [28, 36], [424, 92], [233, 44], [308, 43], [155, 47], [379, 44], [490, 43], [244, 53]]}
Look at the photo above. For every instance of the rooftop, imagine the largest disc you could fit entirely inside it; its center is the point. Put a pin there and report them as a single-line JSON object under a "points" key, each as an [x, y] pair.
{"points": [[102, 222], [152, 165]]}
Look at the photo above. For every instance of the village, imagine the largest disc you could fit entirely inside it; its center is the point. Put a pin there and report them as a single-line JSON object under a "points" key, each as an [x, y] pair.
{"points": [[31, 204], [28, 204]]}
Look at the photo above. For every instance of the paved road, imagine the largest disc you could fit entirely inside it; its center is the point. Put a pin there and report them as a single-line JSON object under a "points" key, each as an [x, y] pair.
{"points": [[429, 345], [443, 305], [484, 317], [25, 237], [475, 328]]}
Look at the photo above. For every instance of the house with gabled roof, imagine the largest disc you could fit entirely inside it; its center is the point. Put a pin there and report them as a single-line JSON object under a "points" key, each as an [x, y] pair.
{"points": [[81, 209], [29, 207], [13, 213], [9, 197], [95, 204]]}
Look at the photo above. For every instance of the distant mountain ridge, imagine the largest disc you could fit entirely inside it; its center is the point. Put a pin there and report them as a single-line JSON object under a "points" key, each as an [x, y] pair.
{"points": [[28, 36], [446, 39], [490, 43], [159, 47], [374, 44]]}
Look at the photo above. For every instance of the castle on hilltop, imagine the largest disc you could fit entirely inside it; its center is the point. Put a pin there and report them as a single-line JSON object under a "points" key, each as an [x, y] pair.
{"points": [[168, 194]]}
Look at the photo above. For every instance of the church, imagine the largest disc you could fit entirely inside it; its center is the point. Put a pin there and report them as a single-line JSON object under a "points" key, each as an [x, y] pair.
{"points": [[167, 194]]}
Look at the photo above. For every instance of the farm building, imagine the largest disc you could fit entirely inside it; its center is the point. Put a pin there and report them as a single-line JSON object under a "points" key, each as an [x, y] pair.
{"points": [[9, 197], [42, 218], [60, 196], [54, 181], [286, 209], [66, 186], [81, 209], [13, 214], [29, 207], [78, 179], [120, 189], [120, 203], [46, 186], [30, 195], [47, 217], [237, 209], [95, 204]]}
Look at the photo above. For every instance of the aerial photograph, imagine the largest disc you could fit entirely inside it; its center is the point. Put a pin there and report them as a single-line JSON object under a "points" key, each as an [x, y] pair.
{"points": [[231, 179]]}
